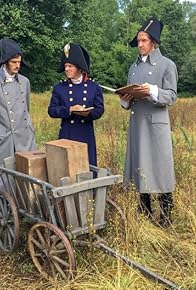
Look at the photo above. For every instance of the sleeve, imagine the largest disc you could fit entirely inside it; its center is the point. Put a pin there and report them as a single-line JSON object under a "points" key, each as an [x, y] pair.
{"points": [[168, 93], [154, 91], [98, 105], [124, 104], [55, 108]]}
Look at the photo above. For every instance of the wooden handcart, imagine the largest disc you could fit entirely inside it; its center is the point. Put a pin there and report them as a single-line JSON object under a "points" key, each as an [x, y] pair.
{"points": [[59, 215]]}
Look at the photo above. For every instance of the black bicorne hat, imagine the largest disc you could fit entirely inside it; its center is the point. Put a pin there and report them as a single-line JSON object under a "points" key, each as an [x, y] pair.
{"points": [[8, 49], [77, 55], [153, 27]]}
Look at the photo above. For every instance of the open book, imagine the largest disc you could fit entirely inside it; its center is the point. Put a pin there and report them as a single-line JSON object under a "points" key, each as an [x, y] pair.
{"points": [[129, 89], [84, 109]]}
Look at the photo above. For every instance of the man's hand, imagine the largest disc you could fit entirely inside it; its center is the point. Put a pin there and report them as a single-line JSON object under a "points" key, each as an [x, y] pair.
{"points": [[138, 93], [78, 110], [141, 92], [126, 97], [75, 108]]}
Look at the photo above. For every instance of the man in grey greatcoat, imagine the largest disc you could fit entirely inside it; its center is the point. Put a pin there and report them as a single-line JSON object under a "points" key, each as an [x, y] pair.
{"points": [[149, 158], [16, 130]]}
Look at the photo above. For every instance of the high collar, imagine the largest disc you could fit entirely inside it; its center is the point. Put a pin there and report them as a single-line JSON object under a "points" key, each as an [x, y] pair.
{"points": [[152, 57], [84, 79], [9, 77], [3, 76], [78, 80]]}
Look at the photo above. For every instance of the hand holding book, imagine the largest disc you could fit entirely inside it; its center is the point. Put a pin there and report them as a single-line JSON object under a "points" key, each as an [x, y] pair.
{"points": [[134, 91], [80, 110]]}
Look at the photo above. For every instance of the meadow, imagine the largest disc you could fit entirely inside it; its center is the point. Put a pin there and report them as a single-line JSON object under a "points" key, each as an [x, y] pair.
{"points": [[168, 252]]}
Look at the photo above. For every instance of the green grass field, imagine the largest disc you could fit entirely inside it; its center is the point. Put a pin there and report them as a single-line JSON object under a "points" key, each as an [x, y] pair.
{"points": [[168, 252]]}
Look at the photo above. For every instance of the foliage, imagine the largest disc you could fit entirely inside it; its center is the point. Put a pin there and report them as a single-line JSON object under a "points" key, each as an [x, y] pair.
{"points": [[38, 27], [188, 71], [42, 28]]}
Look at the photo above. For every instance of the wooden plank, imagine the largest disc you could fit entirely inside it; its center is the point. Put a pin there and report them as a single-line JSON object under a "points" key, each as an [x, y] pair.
{"points": [[84, 201], [85, 185], [32, 163], [100, 199], [10, 162], [69, 207]]}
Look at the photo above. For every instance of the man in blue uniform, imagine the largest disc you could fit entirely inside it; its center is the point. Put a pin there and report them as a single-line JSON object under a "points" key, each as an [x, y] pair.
{"points": [[72, 98]]}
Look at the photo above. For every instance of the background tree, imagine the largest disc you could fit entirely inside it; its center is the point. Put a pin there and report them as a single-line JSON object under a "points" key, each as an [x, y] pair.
{"points": [[43, 27], [98, 29], [188, 72], [38, 27]]}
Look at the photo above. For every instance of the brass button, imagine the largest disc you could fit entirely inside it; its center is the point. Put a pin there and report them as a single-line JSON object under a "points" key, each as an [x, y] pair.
{"points": [[82, 121], [72, 121], [150, 73], [85, 92], [84, 99], [85, 85], [71, 99], [70, 92], [70, 85]]}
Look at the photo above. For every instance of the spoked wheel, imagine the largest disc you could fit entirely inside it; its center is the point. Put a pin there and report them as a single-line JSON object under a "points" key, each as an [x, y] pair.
{"points": [[51, 251], [116, 221], [9, 223], [112, 204]]}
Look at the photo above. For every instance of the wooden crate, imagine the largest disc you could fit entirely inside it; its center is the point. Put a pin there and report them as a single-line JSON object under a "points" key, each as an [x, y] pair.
{"points": [[32, 163], [65, 158]]}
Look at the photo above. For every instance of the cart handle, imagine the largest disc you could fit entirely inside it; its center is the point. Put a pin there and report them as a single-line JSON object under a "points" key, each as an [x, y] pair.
{"points": [[86, 185]]}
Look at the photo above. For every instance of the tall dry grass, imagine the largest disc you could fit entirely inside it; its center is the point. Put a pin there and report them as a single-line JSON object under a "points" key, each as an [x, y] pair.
{"points": [[168, 252]]}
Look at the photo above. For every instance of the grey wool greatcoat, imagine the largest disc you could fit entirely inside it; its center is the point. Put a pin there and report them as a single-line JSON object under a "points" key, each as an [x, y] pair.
{"points": [[149, 158], [16, 130]]}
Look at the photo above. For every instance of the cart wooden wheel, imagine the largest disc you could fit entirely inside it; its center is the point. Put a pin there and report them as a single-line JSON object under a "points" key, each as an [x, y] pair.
{"points": [[116, 220], [51, 251], [9, 223], [117, 208]]}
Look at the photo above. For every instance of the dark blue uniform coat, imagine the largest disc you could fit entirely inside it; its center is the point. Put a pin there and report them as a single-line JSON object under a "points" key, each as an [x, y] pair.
{"points": [[74, 127]]}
